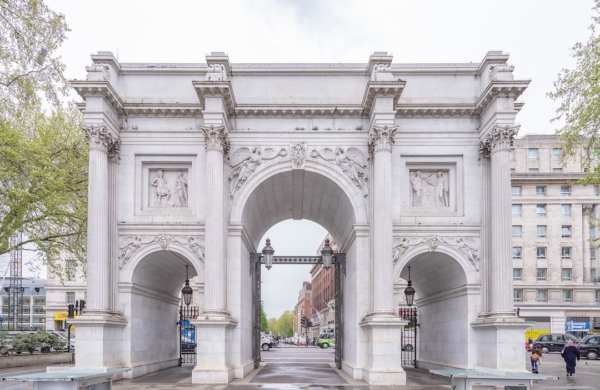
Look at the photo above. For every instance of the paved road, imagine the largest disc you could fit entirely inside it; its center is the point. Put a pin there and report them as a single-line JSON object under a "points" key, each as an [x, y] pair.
{"points": [[312, 368]]}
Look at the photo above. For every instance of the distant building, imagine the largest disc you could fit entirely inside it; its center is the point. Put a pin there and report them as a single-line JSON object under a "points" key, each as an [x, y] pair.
{"points": [[34, 299], [62, 292], [303, 308], [323, 294]]}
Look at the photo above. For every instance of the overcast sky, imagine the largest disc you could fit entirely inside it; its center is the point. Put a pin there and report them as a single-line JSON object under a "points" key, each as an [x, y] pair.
{"points": [[537, 34]]}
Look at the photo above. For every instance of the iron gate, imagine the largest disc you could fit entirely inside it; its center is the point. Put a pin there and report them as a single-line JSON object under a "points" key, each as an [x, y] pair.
{"points": [[338, 261], [409, 337], [187, 334]]}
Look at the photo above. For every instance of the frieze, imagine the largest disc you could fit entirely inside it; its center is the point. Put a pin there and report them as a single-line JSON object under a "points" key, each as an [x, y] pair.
{"points": [[132, 244], [244, 162], [467, 246], [350, 161]]}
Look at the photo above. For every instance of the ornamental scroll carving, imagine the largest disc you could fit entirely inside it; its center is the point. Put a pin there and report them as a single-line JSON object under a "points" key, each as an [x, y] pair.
{"points": [[216, 137], [500, 138], [216, 72], [100, 138], [132, 244], [98, 72], [467, 246], [501, 72], [350, 161], [245, 161]]}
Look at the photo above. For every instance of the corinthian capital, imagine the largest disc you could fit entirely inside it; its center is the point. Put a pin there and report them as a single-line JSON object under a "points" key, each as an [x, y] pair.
{"points": [[100, 138], [217, 138], [501, 138], [381, 138]]}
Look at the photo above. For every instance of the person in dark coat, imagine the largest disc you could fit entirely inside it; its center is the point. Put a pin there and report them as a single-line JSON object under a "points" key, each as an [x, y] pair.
{"points": [[570, 354]]}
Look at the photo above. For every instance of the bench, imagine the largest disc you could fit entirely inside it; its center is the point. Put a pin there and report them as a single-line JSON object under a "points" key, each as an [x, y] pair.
{"points": [[70, 378], [466, 379]]}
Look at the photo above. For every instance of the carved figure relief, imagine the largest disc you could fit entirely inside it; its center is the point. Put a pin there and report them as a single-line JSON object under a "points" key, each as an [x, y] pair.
{"points": [[351, 162], [131, 244], [298, 155], [244, 163], [181, 189], [216, 72], [430, 188], [163, 195], [467, 246]]}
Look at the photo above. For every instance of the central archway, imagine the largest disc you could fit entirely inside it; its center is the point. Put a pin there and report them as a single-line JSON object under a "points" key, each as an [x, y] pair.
{"points": [[318, 193]]}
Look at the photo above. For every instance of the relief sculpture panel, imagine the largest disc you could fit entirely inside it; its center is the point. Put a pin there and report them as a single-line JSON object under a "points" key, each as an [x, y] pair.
{"points": [[168, 188], [429, 188]]}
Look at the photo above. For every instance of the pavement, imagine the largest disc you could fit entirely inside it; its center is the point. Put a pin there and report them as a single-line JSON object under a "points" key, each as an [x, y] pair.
{"points": [[302, 368]]}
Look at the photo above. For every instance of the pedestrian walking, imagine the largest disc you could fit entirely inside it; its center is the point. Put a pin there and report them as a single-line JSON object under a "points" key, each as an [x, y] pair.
{"points": [[570, 354], [534, 362]]}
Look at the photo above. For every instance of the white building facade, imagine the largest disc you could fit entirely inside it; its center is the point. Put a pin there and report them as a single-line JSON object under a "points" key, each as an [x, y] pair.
{"points": [[405, 165]]}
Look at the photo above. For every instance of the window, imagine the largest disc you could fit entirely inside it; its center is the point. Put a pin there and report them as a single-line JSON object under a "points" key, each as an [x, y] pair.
{"points": [[517, 250], [516, 231], [565, 210], [566, 274], [542, 274], [557, 170], [516, 210], [533, 154], [593, 272], [556, 152], [597, 296], [566, 231], [541, 210], [566, 252], [518, 295], [517, 273], [70, 298], [567, 295], [540, 191], [541, 231], [541, 252], [516, 191], [512, 154], [533, 170], [71, 269], [565, 190], [593, 254], [593, 232], [595, 190], [512, 170], [542, 295]]}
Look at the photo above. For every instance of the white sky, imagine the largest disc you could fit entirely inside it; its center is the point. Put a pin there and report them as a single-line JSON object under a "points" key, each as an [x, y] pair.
{"points": [[538, 34]]}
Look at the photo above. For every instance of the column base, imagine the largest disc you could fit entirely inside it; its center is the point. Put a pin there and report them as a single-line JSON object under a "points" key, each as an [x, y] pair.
{"points": [[384, 361], [213, 337], [103, 340]]}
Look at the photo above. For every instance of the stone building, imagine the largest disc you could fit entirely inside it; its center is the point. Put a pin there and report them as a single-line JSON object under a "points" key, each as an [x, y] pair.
{"points": [[62, 291], [302, 308], [34, 299], [554, 262], [323, 293]]}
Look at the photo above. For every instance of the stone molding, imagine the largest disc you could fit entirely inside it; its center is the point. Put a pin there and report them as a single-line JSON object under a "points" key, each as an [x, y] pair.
{"points": [[351, 162], [500, 89], [219, 88], [100, 138], [131, 244], [162, 110], [381, 88], [501, 71], [103, 89], [466, 245], [500, 138], [98, 72], [381, 138], [216, 137], [245, 161]]}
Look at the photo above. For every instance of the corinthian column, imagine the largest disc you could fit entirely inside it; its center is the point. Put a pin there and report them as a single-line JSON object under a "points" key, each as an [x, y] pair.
{"points": [[98, 262], [501, 283], [587, 262], [113, 232], [381, 140], [215, 283], [484, 159]]}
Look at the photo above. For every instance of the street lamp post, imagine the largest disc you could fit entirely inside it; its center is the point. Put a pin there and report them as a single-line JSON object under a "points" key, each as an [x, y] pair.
{"points": [[409, 292], [186, 294]]}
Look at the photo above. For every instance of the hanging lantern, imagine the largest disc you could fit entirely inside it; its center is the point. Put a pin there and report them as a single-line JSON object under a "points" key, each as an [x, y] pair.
{"points": [[268, 253], [327, 254]]}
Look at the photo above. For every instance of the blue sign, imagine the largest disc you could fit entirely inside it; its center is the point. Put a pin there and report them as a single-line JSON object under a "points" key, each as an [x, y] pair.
{"points": [[578, 326]]}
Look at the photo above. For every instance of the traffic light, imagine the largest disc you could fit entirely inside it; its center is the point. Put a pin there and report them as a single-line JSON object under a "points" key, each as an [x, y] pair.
{"points": [[81, 306], [310, 324], [303, 321], [71, 312]]}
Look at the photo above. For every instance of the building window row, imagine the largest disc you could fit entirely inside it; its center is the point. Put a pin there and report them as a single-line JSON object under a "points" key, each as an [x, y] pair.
{"points": [[542, 274], [541, 252], [517, 210], [542, 295], [542, 231]]}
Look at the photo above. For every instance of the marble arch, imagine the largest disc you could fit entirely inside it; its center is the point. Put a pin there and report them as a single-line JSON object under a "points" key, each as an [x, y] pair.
{"points": [[179, 153]]}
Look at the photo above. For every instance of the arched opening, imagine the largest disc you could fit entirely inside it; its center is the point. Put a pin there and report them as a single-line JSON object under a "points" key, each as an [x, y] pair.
{"points": [[151, 297], [447, 302]]}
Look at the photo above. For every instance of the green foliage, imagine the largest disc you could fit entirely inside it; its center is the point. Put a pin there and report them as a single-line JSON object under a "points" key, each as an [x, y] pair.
{"points": [[25, 342], [578, 91], [284, 325], [50, 340], [264, 324]]}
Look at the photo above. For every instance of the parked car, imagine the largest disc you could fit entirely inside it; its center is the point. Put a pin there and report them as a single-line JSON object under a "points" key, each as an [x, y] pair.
{"points": [[589, 346], [553, 342], [266, 343], [325, 340], [301, 341]]}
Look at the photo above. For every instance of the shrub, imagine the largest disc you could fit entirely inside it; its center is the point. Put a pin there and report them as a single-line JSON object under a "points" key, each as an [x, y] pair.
{"points": [[25, 342]]}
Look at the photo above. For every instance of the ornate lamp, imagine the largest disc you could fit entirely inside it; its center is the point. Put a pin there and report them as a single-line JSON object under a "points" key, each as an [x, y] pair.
{"points": [[327, 254], [268, 253], [187, 291], [409, 292]]}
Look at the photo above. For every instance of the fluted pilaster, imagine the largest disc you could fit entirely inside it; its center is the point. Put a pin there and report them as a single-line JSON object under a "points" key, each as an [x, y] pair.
{"points": [[113, 231], [215, 283], [98, 262], [381, 140], [485, 162], [587, 262]]}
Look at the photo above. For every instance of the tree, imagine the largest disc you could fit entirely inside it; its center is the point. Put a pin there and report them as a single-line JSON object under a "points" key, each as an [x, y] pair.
{"points": [[264, 324], [285, 324], [43, 156], [578, 91]]}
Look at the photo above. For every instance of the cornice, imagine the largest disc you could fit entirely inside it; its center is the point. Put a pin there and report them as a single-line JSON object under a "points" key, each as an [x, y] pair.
{"points": [[298, 110], [385, 88], [496, 89], [222, 88], [163, 109], [546, 178], [103, 89], [435, 110]]}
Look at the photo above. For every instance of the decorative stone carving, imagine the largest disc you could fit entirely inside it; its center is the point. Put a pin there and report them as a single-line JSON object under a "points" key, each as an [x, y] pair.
{"points": [[98, 72], [131, 244], [381, 72], [381, 138], [162, 193], [101, 139], [351, 162], [430, 188], [181, 191], [216, 137], [500, 138], [216, 72], [245, 162], [467, 246], [501, 72], [298, 155]]}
